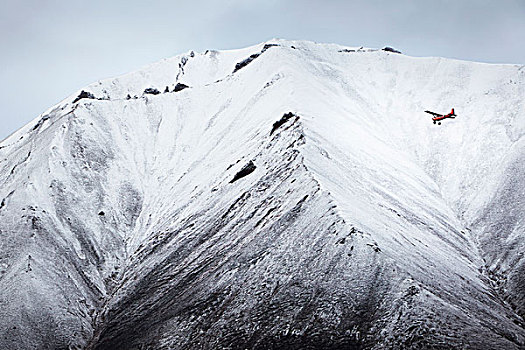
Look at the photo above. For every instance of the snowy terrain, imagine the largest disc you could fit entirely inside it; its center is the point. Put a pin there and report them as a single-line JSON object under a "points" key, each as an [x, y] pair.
{"points": [[286, 195]]}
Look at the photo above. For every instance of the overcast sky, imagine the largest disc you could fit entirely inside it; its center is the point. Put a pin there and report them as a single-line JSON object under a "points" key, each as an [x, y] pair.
{"points": [[51, 48]]}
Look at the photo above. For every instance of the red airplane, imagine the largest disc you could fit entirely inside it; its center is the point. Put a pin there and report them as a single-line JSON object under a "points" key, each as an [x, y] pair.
{"points": [[437, 117]]}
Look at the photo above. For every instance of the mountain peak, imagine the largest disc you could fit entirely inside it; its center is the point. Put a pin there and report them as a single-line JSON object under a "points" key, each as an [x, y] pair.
{"points": [[287, 195]]}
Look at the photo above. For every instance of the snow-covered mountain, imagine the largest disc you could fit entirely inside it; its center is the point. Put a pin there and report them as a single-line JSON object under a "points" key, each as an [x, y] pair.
{"points": [[290, 195]]}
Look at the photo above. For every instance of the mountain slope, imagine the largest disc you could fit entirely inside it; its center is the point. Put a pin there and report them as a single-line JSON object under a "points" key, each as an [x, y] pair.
{"points": [[287, 195]]}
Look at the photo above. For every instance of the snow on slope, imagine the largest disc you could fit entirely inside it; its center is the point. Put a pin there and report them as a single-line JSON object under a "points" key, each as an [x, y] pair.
{"points": [[363, 224]]}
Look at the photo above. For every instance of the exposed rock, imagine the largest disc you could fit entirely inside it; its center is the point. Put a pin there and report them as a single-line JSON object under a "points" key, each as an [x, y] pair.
{"points": [[281, 121], [245, 62], [83, 94], [180, 87], [267, 46], [246, 170], [389, 49], [151, 91]]}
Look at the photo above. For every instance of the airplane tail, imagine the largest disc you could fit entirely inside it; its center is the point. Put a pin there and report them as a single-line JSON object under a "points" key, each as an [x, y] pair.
{"points": [[452, 112]]}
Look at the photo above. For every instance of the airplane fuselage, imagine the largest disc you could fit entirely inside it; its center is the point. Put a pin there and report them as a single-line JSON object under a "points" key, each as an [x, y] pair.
{"points": [[437, 117]]}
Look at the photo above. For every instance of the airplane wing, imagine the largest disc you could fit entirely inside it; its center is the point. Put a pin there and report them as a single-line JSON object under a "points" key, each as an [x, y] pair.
{"points": [[434, 113]]}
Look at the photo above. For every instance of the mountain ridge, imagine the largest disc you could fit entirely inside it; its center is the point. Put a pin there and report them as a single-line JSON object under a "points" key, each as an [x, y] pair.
{"points": [[158, 167]]}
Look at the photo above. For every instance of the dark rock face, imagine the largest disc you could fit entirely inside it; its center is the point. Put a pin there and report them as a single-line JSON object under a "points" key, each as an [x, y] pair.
{"points": [[389, 49], [252, 57], [246, 170], [245, 62], [180, 87], [281, 121], [151, 91], [84, 94], [267, 46]]}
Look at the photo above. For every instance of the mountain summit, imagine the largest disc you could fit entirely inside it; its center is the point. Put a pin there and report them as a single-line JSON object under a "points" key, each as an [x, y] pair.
{"points": [[290, 195]]}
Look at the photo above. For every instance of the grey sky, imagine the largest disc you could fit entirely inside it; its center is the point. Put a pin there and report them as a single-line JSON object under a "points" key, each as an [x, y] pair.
{"points": [[51, 48]]}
